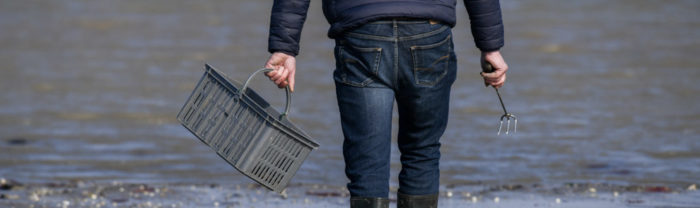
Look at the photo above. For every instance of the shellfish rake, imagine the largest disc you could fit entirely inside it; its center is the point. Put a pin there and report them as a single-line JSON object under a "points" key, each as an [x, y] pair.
{"points": [[487, 67], [506, 116]]}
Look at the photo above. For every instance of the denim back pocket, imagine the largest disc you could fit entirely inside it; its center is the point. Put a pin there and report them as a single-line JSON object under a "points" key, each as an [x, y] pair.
{"points": [[357, 65], [431, 62]]}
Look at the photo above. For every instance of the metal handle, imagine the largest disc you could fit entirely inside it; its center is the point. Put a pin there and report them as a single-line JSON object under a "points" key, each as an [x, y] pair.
{"points": [[289, 95]]}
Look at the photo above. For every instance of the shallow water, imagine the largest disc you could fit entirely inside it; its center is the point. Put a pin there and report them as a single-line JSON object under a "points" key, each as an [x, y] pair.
{"points": [[605, 92]]}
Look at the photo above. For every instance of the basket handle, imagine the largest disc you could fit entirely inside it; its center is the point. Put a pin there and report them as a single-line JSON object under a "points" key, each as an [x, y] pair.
{"points": [[289, 95]]}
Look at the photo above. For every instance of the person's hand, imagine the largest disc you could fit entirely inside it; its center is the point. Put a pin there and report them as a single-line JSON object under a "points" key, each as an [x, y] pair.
{"points": [[284, 68], [497, 77]]}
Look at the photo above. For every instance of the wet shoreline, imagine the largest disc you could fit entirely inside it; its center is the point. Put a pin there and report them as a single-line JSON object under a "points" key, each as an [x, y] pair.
{"points": [[79, 193]]}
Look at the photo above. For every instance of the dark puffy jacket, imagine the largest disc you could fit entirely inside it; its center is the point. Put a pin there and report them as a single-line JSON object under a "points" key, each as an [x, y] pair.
{"points": [[288, 17]]}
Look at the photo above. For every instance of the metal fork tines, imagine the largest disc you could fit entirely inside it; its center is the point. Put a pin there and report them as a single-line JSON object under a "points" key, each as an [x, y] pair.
{"points": [[506, 116]]}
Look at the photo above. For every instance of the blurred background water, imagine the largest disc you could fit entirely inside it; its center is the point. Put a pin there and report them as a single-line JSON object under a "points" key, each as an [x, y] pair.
{"points": [[605, 92]]}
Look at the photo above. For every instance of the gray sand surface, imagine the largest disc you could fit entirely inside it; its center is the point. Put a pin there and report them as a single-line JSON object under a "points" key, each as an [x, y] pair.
{"points": [[117, 194]]}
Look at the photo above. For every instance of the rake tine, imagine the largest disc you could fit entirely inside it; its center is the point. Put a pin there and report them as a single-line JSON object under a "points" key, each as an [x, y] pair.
{"points": [[499, 127], [508, 126]]}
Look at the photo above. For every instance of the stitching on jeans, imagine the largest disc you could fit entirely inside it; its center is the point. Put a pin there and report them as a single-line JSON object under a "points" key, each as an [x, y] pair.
{"points": [[385, 38], [434, 45], [377, 58], [342, 71], [414, 53], [375, 62], [368, 80], [422, 35], [371, 37], [396, 56]]}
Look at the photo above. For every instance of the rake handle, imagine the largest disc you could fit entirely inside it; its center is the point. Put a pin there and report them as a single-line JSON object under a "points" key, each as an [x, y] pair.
{"points": [[501, 100], [486, 67]]}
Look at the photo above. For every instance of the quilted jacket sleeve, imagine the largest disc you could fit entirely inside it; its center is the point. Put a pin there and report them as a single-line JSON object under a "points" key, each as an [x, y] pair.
{"points": [[286, 22], [486, 23]]}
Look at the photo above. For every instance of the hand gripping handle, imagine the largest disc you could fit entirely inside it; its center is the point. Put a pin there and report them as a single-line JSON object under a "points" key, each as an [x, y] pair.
{"points": [[289, 95], [486, 67]]}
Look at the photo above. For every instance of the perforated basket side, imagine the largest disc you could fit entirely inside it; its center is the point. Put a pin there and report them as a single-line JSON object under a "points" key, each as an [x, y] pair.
{"points": [[243, 133], [217, 117], [279, 161]]}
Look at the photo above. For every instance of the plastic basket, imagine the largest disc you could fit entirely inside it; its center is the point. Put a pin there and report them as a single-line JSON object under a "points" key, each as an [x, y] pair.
{"points": [[245, 130]]}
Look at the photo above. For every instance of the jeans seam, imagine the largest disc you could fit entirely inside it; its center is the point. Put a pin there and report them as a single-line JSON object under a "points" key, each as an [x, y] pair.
{"points": [[396, 55], [423, 35], [377, 59], [384, 38], [370, 37]]}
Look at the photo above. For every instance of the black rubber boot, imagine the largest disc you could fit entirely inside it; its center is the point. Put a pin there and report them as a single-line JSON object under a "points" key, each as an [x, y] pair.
{"points": [[417, 201], [368, 202]]}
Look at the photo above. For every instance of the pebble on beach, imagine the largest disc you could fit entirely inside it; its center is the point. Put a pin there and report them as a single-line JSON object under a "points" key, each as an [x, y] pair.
{"points": [[9, 196], [284, 194], [658, 189], [34, 197], [8, 184], [18, 141]]}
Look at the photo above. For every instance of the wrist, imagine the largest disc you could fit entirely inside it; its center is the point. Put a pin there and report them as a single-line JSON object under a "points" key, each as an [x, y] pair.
{"points": [[283, 53], [490, 53]]}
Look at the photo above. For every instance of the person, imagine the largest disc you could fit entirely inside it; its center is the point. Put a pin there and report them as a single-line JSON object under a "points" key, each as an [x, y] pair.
{"points": [[386, 51]]}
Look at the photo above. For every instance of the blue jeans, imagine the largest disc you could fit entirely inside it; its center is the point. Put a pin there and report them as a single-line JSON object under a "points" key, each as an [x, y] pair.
{"points": [[413, 62]]}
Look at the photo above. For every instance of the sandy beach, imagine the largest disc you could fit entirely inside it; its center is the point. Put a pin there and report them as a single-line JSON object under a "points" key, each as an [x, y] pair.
{"points": [[117, 194]]}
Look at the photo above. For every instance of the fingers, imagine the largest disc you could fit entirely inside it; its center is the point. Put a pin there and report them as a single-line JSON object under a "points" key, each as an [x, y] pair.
{"points": [[284, 67], [499, 72], [281, 77], [497, 77], [277, 73], [500, 82], [271, 65], [491, 79], [291, 79]]}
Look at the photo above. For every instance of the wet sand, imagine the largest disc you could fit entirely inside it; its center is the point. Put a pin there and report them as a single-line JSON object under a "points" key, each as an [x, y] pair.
{"points": [[79, 193]]}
